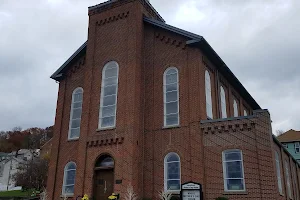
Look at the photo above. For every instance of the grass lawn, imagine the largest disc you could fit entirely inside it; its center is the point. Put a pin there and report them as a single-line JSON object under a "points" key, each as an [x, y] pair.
{"points": [[16, 193]]}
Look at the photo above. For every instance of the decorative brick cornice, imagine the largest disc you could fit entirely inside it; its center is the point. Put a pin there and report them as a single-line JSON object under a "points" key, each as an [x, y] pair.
{"points": [[112, 19], [76, 66], [105, 142], [226, 128], [115, 3], [170, 41]]}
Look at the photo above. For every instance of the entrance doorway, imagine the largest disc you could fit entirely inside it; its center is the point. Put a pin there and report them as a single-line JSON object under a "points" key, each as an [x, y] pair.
{"points": [[104, 177]]}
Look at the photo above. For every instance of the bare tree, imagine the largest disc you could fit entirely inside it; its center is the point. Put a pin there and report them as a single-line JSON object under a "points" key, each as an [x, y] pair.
{"points": [[164, 195], [130, 194], [44, 195], [17, 129], [32, 175], [279, 132]]}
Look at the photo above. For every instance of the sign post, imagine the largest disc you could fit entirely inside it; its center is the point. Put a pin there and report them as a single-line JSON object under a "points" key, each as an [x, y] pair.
{"points": [[191, 191]]}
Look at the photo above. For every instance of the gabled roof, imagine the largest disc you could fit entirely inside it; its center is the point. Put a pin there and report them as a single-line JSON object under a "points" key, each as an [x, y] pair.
{"points": [[200, 42], [289, 136], [192, 40], [284, 149], [172, 28], [57, 75]]}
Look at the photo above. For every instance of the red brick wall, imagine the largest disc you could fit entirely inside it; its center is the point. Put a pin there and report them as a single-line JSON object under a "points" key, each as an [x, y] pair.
{"points": [[62, 150], [253, 136], [139, 142], [293, 172], [114, 35]]}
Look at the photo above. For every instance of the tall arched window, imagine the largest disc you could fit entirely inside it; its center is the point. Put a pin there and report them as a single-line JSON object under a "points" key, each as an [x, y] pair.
{"points": [[75, 115], [171, 97], [172, 172], [223, 102], [109, 92], [288, 179], [209, 112], [233, 170], [278, 172], [69, 179], [235, 109], [294, 175]]}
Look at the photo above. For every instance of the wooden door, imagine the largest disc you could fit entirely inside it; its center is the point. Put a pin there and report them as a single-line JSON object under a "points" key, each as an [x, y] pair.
{"points": [[104, 184]]}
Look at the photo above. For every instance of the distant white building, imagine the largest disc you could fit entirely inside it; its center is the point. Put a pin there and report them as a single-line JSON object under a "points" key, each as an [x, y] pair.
{"points": [[9, 164]]}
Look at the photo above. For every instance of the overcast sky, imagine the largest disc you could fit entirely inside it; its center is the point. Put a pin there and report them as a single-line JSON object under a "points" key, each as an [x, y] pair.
{"points": [[258, 39]]}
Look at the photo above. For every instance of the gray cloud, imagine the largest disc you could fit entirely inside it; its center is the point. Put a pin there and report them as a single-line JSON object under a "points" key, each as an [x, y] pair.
{"points": [[259, 41]]}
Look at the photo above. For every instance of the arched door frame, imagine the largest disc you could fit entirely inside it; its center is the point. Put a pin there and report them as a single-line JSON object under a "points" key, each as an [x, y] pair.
{"points": [[102, 169]]}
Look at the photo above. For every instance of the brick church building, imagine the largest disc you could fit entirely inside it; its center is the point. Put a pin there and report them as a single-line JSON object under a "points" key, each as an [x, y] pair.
{"points": [[146, 104]]}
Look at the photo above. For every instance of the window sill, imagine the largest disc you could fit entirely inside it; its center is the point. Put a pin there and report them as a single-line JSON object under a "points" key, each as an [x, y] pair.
{"points": [[73, 139], [105, 129], [67, 195], [281, 194], [235, 192], [173, 126], [174, 192]]}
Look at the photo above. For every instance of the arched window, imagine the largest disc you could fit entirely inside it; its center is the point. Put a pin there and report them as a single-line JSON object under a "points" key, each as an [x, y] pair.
{"points": [[209, 112], [233, 170], [172, 172], [105, 161], [245, 113], [278, 172], [109, 92], [294, 175], [223, 102], [288, 179], [75, 116], [69, 179], [171, 97], [235, 109]]}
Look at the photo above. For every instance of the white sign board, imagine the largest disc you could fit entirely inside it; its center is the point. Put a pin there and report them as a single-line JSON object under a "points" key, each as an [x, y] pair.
{"points": [[191, 186], [191, 191], [191, 195]]}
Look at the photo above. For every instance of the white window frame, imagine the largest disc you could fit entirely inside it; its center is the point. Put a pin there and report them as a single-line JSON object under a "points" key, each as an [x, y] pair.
{"points": [[66, 170], [165, 94], [166, 172], [278, 172], [208, 96], [285, 145], [72, 112], [102, 96], [297, 147], [245, 113], [225, 178], [288, 179], [235, 108], [223, 102]]}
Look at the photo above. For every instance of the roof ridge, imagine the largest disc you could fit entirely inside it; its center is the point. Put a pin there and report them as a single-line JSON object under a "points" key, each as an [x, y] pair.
{"points": [[172, 28]]}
